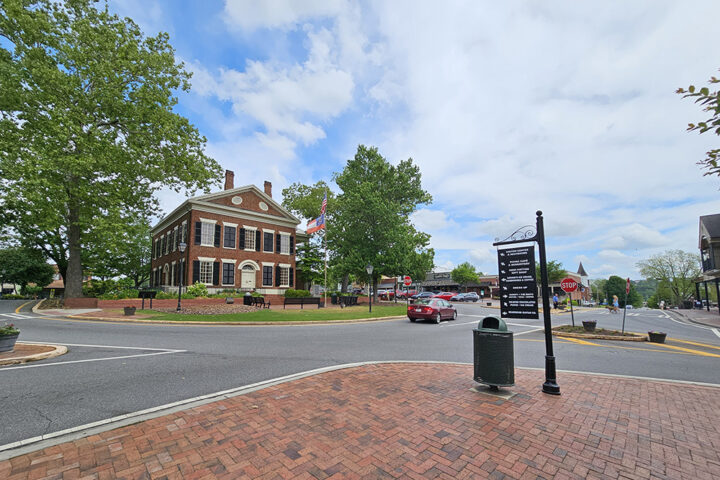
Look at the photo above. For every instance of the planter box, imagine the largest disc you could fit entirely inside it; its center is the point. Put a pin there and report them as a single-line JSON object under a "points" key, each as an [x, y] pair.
{"points": [[589, 326], [7, 342], [657, 337], [129, 310]]}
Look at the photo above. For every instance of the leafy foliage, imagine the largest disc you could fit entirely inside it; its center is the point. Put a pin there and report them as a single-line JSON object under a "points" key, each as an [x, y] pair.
{"points": [[8, 329], [555, 271], [292, 293], [710, 102], [23, 265], [198, 290], [309, 264], [616, 286], [87, 128], [464, 274], [675, 270]]}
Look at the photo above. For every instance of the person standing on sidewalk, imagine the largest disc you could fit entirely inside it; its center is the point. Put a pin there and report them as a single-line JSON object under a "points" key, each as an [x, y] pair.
{"points": [[555, 301]]}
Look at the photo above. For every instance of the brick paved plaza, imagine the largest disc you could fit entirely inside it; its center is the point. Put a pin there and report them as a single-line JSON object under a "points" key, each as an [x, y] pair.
{"points": [[413, 421]]}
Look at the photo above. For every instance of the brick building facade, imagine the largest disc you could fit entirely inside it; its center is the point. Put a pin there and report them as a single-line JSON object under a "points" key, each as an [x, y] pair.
{"points": [[239, 239]]}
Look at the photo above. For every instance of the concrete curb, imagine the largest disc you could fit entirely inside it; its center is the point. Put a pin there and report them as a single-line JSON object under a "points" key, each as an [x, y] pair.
{"points": [[58, 350], [676, 313], [637, 337], [164, 322]]}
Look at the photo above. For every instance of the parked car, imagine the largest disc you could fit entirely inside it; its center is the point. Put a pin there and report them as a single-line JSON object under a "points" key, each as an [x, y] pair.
{"points": [[402, 293], [422, 295], [445, 295], [435, 309], [471, 297]]}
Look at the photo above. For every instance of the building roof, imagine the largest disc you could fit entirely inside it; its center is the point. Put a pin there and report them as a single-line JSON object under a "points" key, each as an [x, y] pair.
{"points": [[581, 271]]}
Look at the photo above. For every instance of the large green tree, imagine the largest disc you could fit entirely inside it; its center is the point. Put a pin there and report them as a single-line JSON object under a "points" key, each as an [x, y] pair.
{"points": [[371, 224], [555, 271], [710, 102], [464, 274], [21, 265], [675, 269], [368, 220], [127, 253], [87, 127]]}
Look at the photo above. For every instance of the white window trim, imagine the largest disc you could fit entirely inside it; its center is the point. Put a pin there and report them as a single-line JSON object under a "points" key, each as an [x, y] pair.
{"points": [[285, 285], [268, 264], [206, 259], [237, 232], [249, 262], [208, 220], [285, 265], [262, 274], [248, 227], [228, 260], [172, 276], [176, 238], [228, 224], [267, 230], [183, 232]]}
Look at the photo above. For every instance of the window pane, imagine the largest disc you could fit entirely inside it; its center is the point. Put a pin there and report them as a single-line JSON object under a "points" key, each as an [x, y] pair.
{"points": [[249, 239], [285, 244], [229, 237], [228, 275], [268, 242], [207, 234], [284, 276], [206, 271], [267, 275]]}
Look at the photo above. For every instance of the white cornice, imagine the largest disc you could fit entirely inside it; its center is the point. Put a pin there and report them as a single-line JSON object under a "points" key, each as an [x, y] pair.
{"points": [[242, 214]]}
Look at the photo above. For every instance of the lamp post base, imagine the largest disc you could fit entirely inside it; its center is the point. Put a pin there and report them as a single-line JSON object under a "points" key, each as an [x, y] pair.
{"points": [[550, 386]]}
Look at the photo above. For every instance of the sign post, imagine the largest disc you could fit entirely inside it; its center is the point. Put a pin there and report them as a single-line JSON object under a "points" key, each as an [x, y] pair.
{"points": [[407, 281], [569, 285], [527, 234], [518, 286], [627, 290]]}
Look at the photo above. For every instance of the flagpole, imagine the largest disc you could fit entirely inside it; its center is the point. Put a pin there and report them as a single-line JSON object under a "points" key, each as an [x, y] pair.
{"points": [[325, 240]]}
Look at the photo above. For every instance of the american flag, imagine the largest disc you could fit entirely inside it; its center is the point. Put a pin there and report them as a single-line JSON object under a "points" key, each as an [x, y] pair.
{"points": [[324, 205]]}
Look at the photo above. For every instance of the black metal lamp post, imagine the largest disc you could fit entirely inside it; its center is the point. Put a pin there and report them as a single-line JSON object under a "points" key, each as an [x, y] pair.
{"points": [[181, 247], [369, 270]]}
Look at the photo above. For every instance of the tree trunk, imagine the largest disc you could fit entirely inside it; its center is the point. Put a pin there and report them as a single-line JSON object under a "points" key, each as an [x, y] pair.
{"points": [[73, 279], [374, 289], [345, 281]]}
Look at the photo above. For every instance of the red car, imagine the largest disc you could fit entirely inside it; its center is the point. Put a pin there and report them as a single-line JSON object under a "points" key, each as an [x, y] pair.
{"points": [[445, 295], [435, 309]]}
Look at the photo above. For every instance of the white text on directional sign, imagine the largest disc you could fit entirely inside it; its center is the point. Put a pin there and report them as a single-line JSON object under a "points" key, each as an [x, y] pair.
{"points": [[518, 288]]}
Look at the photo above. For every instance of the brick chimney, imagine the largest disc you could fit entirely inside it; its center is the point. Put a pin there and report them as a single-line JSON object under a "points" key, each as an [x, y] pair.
{"points": [[229, 180], [268, 188]]}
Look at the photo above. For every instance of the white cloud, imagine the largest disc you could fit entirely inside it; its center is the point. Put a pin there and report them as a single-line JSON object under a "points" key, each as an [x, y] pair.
{"points": [[635, 236], [250, 15]]}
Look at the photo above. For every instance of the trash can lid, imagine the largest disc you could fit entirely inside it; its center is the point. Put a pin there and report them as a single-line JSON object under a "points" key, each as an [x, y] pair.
{"points": [[492, 323]]}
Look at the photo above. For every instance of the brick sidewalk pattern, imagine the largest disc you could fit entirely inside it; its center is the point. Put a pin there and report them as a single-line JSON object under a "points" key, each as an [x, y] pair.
{"points": [[414, 421]]}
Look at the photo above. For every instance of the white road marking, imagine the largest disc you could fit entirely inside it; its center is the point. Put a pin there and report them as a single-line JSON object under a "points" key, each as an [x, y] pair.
{"points": [[2, 369], [156, 351], [716, 331], [14, 315]]}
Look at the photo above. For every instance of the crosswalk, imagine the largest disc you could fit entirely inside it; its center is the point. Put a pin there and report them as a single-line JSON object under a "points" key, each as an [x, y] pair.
{"points": [[15, 315], [629, 314]]}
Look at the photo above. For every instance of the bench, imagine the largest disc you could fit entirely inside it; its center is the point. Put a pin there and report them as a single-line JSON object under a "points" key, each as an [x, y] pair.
{"points": [[347, 301], [302, 301], [259, 302]]}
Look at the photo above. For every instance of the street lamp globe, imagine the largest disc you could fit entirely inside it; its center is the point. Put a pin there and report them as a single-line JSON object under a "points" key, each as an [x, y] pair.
{"points": [[182, 247], [369, 269]]}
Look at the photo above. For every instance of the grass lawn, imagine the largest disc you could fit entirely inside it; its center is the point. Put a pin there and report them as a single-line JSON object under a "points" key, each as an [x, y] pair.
{"points": [[597, 331], [294, 315]]}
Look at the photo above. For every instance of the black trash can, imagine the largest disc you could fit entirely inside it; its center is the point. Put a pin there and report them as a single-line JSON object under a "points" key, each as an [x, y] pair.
{"points": [[493, 353], [334, 299], [247, 299]]}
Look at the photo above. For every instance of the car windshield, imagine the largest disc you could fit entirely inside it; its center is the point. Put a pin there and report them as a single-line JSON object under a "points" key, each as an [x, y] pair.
{"points": [[424, 301]]}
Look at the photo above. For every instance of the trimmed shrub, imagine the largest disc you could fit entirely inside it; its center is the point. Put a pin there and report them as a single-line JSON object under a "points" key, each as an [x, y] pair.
{"points": [[292, 293], [198, 290]]}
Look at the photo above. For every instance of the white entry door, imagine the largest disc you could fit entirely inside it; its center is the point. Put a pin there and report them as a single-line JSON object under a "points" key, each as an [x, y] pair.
{"points": [[248, 277]]}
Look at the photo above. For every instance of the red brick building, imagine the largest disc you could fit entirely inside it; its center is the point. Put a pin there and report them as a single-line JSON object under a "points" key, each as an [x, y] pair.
{"points": [[239, 239]]}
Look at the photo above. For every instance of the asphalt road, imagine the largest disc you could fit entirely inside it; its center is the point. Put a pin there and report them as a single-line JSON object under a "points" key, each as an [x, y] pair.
{"points": [[113, 368]]}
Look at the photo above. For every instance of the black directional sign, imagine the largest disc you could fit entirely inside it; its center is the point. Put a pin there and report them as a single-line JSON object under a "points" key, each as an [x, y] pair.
{"points": [[518, 287]]}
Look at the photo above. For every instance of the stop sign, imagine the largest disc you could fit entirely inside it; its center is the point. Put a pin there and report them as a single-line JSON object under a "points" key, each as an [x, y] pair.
{"points": [[568, 285], [627, 286], [407, 281]]}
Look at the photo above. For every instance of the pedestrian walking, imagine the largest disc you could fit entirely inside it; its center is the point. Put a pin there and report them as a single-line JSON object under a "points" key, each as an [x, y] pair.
{"points": [[616, 304], [555, 301]]}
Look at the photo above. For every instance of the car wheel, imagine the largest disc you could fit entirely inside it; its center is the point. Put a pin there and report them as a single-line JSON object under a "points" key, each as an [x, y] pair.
{"points": [[454, 315], [412, 319], [437, 318]]}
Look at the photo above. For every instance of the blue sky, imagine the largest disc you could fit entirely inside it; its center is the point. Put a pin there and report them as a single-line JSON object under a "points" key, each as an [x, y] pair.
{"points": [[564, 106]]}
